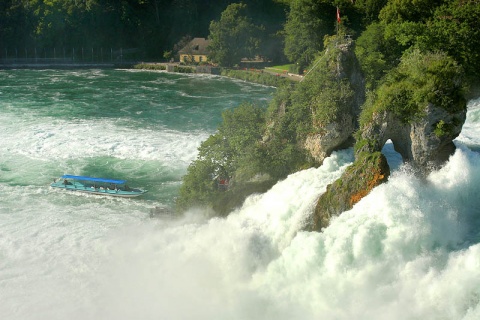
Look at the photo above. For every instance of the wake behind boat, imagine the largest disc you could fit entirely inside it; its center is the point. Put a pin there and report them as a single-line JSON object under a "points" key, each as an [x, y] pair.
{"points": [[99, 186]]}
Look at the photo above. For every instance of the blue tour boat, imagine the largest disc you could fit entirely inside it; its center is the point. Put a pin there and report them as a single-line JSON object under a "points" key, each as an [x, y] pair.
{"points": [[99, 186]]}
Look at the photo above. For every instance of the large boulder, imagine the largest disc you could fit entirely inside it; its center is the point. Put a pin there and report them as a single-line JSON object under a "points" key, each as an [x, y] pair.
{"points": [[368, 171]]}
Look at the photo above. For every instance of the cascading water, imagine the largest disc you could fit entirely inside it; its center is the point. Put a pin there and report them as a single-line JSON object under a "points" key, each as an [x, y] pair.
{"points": [[409, 250]]}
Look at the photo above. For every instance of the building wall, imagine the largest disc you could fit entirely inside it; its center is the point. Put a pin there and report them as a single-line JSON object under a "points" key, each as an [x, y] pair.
{"points": [[196, 57]]}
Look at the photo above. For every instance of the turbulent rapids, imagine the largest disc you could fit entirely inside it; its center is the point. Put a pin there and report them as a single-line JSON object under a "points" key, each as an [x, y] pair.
{"points": [[409, 250]]}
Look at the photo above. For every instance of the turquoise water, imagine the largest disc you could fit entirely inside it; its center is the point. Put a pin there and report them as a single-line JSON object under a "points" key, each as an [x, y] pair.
{"points": [[134, 125], [409, 250]]}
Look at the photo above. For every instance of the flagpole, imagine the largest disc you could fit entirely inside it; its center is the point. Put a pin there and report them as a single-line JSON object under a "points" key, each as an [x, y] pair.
{"points": [[338, 19]]}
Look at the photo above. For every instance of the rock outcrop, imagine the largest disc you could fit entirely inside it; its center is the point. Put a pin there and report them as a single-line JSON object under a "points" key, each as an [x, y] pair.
{"points": [[421, 109], [368, 171], [343, 94], [424, 144]]}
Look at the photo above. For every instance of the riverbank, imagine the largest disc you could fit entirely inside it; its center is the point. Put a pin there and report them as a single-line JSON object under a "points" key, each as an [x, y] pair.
{"points": [[260, 76]]}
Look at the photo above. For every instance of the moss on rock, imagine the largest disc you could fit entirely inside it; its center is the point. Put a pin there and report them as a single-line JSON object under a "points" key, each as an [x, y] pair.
{"points": [[367, 172]]}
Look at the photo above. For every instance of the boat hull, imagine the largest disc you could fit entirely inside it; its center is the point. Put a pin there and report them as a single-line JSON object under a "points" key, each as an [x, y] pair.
{"points": [[78, 187]]}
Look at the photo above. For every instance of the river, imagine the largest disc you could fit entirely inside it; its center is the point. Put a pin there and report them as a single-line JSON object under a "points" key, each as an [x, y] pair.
{"points": [[409, 250]]}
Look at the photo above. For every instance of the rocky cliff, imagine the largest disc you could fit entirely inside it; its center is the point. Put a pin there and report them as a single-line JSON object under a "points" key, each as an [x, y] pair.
{"points": [[425, 144], [342, 92], [421, 108]]}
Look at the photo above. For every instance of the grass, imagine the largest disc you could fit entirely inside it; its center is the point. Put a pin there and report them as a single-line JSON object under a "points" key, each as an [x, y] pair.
{"points": [[280, 69]]}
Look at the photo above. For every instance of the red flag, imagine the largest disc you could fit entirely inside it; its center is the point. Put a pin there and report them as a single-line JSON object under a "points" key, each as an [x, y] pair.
{"points": [[338, 15]]}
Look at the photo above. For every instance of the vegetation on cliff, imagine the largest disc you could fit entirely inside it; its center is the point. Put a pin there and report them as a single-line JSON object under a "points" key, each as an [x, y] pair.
{"points": [[408, 59], [235, 162], [368, 171], [221, 155], [419, 79], [256, 76], [414, 69]]}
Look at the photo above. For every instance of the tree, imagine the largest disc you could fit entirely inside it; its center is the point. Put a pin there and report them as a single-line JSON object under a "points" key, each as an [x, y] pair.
{"points": [[234, 36], [455, 29], [376, 54], [307, 23], [419, 79], [228, 154]]}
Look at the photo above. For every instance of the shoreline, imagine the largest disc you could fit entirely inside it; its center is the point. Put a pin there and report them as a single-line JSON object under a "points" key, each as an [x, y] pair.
{"points": [[258, 76], [4, 66]]}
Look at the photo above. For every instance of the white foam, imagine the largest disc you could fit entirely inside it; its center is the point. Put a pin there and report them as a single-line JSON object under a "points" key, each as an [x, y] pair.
{"points": [[408, 250], [61, 139], [403, 252], [471, 128]]}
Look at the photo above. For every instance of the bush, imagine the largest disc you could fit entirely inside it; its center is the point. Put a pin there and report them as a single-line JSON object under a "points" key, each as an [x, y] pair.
{"points": [[419, 79], [149, 66], [256, 76], [229, 154]]}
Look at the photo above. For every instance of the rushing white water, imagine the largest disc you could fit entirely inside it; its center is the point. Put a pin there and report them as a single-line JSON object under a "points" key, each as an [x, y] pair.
{"points": [[409, 250]]}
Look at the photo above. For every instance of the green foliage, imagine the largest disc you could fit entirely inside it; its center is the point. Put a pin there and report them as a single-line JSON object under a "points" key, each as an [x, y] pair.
{"points": [[307, 23], [451, 26], [198, 187], [455, 29], [229, 153], [420, 78], [408, 10], [149, 66], [152, 26], [371, 52], [233, 37], [184, 69], [442, 128], [322, 95], [369, 9], [256, 76]]}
